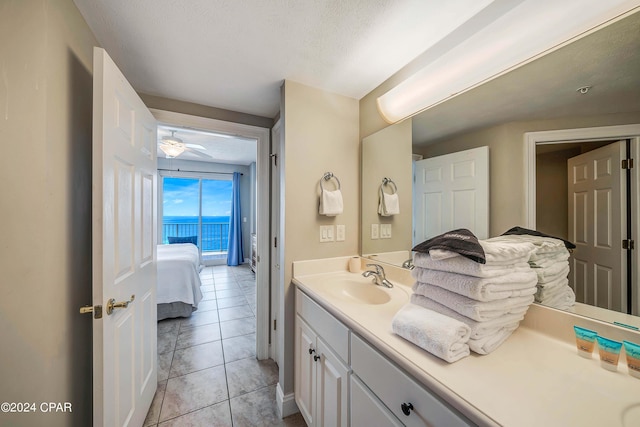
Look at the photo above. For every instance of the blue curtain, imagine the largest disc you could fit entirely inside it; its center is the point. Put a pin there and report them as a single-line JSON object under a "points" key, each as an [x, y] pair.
{"points": [[235, 254]]}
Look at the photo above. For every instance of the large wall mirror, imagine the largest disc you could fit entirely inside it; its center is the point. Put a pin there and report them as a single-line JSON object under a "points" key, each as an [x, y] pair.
{"points": [[591, 82]]}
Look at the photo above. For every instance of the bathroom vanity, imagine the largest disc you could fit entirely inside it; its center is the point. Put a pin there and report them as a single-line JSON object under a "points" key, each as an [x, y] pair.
{"points": [[350, 369]]}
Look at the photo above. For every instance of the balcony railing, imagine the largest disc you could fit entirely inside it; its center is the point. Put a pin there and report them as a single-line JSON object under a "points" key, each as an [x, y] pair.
{"points": [[214, 237]]}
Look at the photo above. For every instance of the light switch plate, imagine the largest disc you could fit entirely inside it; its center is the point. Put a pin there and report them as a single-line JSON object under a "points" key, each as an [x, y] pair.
{"points": [[326, 233], [375, 231], [385, 231], [340, 232]]}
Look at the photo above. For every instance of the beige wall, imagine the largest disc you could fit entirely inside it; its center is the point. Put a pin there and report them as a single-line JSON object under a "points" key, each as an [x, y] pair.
{"points": [[506, 160], [387, 153], [321, 135], [45, 254]]}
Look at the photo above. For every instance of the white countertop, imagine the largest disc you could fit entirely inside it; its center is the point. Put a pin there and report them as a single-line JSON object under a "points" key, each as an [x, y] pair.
{"points": [[533, 379]]}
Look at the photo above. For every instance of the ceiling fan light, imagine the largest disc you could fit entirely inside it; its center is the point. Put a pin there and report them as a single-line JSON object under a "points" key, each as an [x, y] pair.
{"points": [[172, 150]]}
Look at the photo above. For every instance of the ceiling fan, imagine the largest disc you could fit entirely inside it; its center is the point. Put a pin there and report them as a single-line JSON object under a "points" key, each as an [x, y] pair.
{"points": [[172, 146]]}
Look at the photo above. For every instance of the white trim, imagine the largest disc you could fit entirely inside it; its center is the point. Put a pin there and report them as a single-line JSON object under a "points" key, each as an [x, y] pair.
{"points": [[262, 135], [286, 404], [562, 136]]}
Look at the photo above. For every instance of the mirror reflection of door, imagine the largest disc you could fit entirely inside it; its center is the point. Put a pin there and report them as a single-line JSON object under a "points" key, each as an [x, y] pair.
{"points": [[582, 196], [597, 201]]}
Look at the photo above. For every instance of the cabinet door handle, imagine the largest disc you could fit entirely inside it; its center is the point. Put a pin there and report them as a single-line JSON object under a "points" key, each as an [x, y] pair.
{"points": [[406, 408], [316, 358], [311, 351]]}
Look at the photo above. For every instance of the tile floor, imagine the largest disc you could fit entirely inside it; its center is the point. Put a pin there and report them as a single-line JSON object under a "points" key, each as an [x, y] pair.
{"points": [[207, 371]]}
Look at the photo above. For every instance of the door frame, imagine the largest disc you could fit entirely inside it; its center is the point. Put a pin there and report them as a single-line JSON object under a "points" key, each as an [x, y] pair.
{"points": [[262, 135], [566, 136], [277, 251]]}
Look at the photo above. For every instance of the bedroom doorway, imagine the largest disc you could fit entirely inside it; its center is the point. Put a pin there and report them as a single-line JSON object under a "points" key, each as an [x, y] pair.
{"points": [[196, 210]]}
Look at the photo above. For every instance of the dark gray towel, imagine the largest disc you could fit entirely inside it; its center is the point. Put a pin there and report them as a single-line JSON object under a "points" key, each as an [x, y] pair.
{"points": [[520, 231], [460, 241]]}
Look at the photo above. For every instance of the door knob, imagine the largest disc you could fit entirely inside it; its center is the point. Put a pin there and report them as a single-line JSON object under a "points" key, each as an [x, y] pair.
{"points": [[112, 304]]}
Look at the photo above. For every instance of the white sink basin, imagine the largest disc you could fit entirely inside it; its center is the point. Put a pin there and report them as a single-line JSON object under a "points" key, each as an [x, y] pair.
{"points": [[363, 292]]}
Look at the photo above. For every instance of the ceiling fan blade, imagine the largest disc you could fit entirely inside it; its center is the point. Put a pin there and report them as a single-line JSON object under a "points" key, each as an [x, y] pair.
{"points": [[196, 146], [199, 153]]}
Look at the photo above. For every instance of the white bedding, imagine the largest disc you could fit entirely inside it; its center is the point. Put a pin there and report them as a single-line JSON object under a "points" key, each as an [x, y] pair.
{"points": [[178, 274]]}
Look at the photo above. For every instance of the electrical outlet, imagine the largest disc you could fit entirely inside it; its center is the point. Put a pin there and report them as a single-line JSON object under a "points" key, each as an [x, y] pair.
{"points": [[375, 231], [340, 233]]}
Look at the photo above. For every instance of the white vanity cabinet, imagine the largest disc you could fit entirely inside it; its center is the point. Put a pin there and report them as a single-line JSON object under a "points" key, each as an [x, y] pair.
{"points": [[412, 404], [321, 371]]}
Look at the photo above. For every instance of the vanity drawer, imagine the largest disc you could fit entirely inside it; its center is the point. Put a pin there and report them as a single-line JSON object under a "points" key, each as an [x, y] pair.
{"points": [[332, 331], [395, 388]]}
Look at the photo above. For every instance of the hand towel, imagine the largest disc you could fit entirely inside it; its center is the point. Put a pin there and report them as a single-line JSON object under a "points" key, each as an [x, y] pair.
{"points": [[477, 310], [466, 266], [440, 335], [485, 336], [331, 202], [389, 204], [460, 241], [518, 283]]}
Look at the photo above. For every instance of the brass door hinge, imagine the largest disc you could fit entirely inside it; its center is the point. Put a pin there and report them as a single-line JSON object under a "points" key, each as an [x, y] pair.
{"points": [[628, 244], [627, 163], [274, 324]]}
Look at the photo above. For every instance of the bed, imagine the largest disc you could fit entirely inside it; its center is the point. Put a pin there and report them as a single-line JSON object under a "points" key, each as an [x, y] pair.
{"points": [[179, 283]]}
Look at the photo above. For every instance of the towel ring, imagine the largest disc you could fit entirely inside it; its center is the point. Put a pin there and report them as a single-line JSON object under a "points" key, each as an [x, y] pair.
{"points": [[389, 181], [326, 177]]}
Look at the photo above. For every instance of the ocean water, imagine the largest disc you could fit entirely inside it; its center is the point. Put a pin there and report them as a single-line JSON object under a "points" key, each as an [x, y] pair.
{"points": [[214, 236]]}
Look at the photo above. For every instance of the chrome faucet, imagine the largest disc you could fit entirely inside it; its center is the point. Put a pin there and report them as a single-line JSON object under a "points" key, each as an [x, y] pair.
{"points": [[379, 277], [408, 264]]}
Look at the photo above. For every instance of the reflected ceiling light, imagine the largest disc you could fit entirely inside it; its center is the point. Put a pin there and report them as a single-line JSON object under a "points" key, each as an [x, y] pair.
{"points": [[172, 146], [526, 31]]}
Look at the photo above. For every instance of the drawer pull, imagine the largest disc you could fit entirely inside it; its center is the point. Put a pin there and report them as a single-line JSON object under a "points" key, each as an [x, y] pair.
{"points": [[406, 408], [311, 351], [316, 358]]}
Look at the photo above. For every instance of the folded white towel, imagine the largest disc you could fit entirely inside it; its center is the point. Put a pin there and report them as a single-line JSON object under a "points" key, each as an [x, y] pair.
{"points": [[462, 265], [489, 343], [499, 252], [561, 299], [547, 261], [553, 272], [553, 286], [440, 335], [477, 310], [478, 329], [544, 245], [512, 284], [389, 204], [485, 336], [331, 203]]}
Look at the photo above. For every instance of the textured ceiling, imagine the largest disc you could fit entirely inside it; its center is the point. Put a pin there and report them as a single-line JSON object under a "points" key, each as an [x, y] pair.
{"points": [[218, 147], [235, 54], [608, 60]]}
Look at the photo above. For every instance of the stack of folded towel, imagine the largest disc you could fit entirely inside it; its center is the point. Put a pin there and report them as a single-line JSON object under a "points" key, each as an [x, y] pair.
{"points": [[487, 286], [550, 261]]}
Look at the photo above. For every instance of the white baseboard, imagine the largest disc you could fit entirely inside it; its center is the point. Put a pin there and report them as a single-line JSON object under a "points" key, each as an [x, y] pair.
{"points": [[286, 404]]}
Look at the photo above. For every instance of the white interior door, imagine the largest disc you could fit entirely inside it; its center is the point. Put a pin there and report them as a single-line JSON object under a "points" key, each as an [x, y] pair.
{"points": [[597, 222], [452, 191], [124, 249]]}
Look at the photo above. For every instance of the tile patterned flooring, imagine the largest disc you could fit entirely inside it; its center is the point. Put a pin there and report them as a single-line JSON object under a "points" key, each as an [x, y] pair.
{"points": [[208, 374]]}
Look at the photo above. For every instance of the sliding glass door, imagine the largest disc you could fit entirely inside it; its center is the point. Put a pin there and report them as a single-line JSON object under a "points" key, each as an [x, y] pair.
{"points": [[196, 210]]}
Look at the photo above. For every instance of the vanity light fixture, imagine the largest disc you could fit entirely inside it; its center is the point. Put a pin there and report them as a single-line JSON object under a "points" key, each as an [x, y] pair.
{"points": [[526, 31]]}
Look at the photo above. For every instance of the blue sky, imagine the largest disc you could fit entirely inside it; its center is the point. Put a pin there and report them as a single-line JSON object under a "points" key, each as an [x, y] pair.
{"points": [[180, 197]]}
